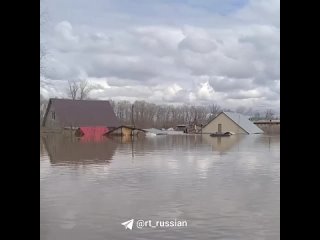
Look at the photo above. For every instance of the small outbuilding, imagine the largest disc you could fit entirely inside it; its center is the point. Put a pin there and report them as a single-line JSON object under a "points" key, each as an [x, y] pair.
{"points": [[125, 131]]}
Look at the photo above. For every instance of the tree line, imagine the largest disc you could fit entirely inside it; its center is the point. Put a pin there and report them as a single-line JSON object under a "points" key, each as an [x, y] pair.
{"points": [[143, 114]]}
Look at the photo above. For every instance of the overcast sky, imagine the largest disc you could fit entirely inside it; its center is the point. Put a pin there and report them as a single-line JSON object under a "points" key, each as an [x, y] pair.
{"points": [[165, 51]]}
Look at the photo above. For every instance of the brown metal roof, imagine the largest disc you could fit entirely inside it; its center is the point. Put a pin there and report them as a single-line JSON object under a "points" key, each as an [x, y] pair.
{"points": [[83, 112]]}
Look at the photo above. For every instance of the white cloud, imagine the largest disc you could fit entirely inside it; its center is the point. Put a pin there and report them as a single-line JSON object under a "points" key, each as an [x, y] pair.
{"points": [[169, 57], [205, 91]]}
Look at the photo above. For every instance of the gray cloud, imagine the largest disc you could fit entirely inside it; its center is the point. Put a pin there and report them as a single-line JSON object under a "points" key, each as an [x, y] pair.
{"points": [[223, 84], [196, 56], [195, 44]]}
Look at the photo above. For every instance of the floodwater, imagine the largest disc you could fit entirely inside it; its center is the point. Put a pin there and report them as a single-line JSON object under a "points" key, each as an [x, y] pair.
{"points": [[224, 188]]}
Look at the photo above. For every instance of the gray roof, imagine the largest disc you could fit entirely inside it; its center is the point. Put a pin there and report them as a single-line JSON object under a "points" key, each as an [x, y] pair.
{"points": [[83, 112], [243, 122]]}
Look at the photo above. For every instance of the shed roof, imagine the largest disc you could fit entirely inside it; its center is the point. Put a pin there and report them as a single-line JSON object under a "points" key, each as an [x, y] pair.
{"points": [[122, 126], [83, 112]]}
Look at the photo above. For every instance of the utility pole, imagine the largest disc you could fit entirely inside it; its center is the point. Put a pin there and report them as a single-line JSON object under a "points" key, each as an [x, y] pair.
{"points": [[132, 136], [132, 122]]}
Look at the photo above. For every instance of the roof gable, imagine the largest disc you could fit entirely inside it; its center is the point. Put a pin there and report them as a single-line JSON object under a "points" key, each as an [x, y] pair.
{"points": [[243, 122], [83, 112]]}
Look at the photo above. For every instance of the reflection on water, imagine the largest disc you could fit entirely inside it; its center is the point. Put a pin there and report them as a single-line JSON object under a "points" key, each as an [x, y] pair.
{"points": [[65, 150], [226, 188], [223, 144]]}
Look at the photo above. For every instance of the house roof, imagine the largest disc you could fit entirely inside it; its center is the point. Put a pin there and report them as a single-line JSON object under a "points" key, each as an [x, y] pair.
{"points": [[243, 122], [83, 112]]}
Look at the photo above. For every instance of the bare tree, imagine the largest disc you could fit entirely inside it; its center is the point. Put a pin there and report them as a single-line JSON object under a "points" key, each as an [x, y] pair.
{"points": [[43, 51], [84, 89], [79, 89], [162, 116], [43, 106], [256, 115], [214, 109], [269, 114], [73, 89]]}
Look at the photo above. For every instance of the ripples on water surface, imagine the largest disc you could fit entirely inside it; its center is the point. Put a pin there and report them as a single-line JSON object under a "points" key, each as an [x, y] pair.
{"points": [[226, 188]]}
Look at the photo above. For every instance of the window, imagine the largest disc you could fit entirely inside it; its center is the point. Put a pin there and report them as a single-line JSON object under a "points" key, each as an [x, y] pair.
{"points": [[53, 115]]}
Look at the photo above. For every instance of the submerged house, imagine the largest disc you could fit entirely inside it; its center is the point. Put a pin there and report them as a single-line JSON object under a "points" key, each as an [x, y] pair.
{"points": [[181, 127], [235, 123], [83, 115], [125, 131]]}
